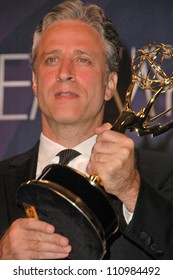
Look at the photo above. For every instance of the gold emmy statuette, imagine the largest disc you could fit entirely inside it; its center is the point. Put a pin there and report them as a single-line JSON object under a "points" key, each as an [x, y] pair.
{"points": [[155, 57]]}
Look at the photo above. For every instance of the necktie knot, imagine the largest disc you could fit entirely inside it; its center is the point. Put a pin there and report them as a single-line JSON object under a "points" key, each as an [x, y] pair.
{"points": [[65, 156]]}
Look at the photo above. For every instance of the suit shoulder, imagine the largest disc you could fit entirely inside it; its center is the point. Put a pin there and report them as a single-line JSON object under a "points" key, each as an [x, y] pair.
{"points": [[19, 159]]}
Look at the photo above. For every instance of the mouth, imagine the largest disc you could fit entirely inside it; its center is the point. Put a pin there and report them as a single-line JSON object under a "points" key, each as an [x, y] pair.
{"points": [[65, 94]]}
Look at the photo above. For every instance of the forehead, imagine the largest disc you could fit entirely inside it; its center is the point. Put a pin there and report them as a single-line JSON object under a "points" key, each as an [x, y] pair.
{"points": [[72, 31]]}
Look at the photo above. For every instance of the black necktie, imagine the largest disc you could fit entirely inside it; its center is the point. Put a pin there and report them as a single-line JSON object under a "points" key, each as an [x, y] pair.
{"points": [[65, 156]]}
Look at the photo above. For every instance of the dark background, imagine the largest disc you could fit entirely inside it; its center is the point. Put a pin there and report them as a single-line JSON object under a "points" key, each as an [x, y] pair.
{"points": [[138, 23]]}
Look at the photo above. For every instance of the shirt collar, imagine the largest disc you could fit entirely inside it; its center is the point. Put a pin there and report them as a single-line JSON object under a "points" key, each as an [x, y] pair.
{"points": [[49, 149]]}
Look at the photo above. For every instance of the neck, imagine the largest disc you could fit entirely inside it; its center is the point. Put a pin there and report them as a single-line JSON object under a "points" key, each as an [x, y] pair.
{"points": [[69, 135]]}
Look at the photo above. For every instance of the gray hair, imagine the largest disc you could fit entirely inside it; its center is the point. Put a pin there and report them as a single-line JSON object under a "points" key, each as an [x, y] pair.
{"points": [[90, 14]]}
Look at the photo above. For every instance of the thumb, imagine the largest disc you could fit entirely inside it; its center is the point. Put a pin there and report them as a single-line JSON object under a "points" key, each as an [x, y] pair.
{"points": [[104, 127]]}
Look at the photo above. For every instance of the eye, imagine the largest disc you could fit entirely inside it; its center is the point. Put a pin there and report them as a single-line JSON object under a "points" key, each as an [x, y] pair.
{"points": [[84, 60], [52, 60]]}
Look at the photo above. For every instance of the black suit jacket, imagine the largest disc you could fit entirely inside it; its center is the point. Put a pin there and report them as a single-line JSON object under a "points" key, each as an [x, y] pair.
{"points": [[150, 233]]}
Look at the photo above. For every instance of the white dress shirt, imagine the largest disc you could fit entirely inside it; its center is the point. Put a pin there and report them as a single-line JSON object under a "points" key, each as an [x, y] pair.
{"points": [[49, 149], [47, 155]]}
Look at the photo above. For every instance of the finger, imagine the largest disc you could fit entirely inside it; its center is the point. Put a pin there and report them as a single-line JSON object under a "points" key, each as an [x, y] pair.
{"points": [[42, 246], [111, 136], [103, 149], [104, 127], [33, 224], [36, 255], [31, 229]]}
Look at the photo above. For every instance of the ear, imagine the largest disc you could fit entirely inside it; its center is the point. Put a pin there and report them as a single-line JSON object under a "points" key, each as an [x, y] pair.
{"points": [[34, 83], [111, 85]]}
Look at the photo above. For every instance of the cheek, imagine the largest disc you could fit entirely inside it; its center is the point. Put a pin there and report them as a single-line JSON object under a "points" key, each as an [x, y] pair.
{"points": [[45, 82], [46, 78], [92, 81]]}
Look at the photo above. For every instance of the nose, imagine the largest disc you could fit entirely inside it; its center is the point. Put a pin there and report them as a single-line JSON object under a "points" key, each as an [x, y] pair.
{"points": [[65, 71]]}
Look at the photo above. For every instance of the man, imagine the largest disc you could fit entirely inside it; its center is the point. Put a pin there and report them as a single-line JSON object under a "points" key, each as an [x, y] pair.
{"points": [[75, 64]]}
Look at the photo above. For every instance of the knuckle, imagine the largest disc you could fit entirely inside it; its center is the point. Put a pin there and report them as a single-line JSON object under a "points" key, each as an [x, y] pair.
{"points": [[125, 153], [105, 134], [130, 143]]}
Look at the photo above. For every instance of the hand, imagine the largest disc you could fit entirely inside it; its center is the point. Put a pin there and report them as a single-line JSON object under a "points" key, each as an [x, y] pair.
{"points": [[33, 239], [113, 159]]}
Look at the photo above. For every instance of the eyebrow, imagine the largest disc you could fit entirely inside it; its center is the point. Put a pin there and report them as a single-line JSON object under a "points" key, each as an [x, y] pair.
{"points": [[76, 52], [51, 52]]}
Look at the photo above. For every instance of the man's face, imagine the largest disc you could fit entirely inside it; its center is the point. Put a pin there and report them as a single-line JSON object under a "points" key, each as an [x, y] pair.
{"points": [[70, 78]]}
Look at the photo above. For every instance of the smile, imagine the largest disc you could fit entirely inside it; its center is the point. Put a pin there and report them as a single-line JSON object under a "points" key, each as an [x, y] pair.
{"points": [[65, 94]]}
